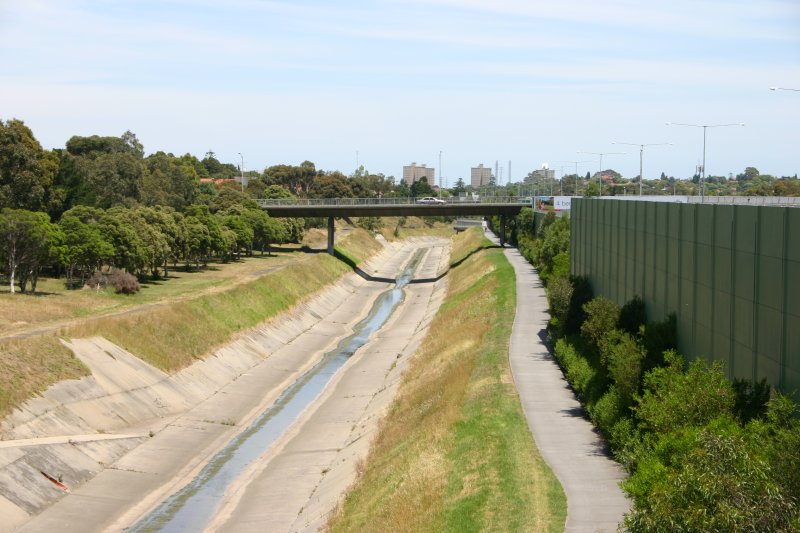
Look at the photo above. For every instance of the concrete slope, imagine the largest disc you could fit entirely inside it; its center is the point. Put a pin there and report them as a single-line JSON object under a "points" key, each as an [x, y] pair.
{"points": [[297, 485], [180, 420], [566, 439]]}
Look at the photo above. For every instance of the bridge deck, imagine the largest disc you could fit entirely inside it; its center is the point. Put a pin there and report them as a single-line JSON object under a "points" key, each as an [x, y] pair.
{"points": [[384, 207]]}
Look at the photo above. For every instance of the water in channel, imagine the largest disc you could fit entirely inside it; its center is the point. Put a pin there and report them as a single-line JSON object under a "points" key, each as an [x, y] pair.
{"points": [[191, 508]]}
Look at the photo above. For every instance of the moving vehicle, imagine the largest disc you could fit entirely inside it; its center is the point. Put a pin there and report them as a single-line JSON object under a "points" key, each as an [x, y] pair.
{"points": [[430, 200]]}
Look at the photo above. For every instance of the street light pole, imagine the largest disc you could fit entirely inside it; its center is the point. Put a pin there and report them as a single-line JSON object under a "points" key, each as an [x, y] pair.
{"points": [[783, 89], [576, 163], [600, 174], [641, 155], [241, 171], [440, 171], [703, 169]]}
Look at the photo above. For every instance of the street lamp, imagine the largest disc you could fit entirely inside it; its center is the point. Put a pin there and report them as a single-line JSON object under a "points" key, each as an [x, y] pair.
{"points": [[440, 171], [641, 151], [600, 174], [783, 89], [576, 163], [241, 171], [705, 127]]}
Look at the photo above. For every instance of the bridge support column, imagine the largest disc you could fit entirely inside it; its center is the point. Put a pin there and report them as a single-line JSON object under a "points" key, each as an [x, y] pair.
{"points": [[502, 230], [331, 232]]}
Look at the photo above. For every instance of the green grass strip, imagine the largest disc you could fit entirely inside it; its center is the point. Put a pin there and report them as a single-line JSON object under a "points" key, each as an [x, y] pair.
{"points": [[455, 453]]}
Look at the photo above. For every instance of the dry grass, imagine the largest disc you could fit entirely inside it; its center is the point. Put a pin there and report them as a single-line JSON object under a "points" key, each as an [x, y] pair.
{"points": [[414, 227], [359, 245], [173, 337], [54, 304], [454, 453], [29, 366], [204, 310]]}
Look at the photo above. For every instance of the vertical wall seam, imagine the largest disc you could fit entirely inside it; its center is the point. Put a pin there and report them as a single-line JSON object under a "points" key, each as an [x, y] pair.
{"points": [[784, 352], [713, 279], [756, 295], [734, 297], [694, 282]]}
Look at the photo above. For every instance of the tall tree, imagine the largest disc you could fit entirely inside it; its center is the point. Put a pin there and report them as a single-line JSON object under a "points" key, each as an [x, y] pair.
{"points": [[26, 170], [26, 238], [331, 185], [421, 188], [84, 248]]}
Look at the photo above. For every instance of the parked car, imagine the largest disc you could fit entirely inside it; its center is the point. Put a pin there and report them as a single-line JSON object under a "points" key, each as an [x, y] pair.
{"points": [[430, 200]]}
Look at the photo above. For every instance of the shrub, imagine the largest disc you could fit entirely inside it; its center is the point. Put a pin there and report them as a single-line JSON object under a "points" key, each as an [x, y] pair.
{"points": [[370, 223], [627, 442], [123, 282], [580, 374], [751, 398], [624, 356], [659, 337], [602, 315], [609, 409], [581, 294], [560, 266], [673, 398], [632, 316], [556, 240], [577, 370], [559, 294], [720, 485], [777, 434]]}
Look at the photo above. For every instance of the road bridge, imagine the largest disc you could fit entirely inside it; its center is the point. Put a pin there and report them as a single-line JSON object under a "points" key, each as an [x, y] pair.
{"points": [[502, 206]]}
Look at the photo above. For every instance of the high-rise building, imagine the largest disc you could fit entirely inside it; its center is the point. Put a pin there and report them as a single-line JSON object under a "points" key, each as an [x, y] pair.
{"points": [[412, 173], [480, 175], [540, 175]]}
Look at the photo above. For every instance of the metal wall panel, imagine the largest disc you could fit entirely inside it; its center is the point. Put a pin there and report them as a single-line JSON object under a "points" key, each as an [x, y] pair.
{"points": [[730, 273]]}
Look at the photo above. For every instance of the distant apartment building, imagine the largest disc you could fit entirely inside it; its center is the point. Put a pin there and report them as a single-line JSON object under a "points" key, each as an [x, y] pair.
{"points": [[480, 175], [412, 173], [540, 175]]}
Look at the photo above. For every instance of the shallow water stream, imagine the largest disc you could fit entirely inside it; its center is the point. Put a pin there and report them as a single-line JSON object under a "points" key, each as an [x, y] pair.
{"points": [[191, 508]]}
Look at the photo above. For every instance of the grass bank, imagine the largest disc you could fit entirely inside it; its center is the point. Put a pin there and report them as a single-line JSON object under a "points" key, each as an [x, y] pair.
{"points": [[454, 452], [173, 336], [394, 228]]}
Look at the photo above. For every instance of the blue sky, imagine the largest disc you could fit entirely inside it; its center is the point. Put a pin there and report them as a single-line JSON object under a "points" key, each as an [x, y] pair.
{"points": [[399, 81]]}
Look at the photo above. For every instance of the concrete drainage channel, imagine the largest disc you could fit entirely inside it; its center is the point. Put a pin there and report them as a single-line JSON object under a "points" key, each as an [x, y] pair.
{"points": [[191, 508], [172, 426]]}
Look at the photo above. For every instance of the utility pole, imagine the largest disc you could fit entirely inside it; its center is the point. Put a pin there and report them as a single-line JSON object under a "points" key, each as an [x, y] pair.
{"points": [[241, 171], [440, 170]]}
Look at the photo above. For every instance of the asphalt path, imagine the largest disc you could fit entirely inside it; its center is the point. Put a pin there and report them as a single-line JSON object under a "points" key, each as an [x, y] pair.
{"points": [[565, 437]]}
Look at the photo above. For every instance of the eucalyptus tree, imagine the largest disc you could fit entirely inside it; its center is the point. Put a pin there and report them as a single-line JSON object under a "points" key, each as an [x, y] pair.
{"points": [[27, 239], [26, 169]]}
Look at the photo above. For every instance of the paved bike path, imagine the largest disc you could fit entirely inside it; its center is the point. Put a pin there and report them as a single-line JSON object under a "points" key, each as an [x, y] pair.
{"points": [[566, 439]]}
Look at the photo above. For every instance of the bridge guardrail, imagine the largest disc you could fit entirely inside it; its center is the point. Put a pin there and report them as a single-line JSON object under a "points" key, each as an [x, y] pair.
{"points": [[324, 202]]}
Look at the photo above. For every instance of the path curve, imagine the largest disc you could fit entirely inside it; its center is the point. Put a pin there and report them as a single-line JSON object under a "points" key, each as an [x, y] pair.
{"points": [[568, 442]]}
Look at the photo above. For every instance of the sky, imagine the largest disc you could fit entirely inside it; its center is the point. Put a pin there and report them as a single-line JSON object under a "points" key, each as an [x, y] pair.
{"points": [[383, 83]]}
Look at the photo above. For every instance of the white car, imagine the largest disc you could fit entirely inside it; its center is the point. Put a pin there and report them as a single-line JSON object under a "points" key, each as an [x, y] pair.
{"points": [[430, 200]]}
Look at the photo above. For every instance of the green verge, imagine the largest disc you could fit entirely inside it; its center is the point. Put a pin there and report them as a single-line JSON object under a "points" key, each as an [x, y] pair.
{"points": [[454, 452]]}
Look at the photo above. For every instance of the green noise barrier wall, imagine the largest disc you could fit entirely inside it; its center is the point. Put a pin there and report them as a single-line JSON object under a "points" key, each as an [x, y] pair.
{"points": [[731, 275]]}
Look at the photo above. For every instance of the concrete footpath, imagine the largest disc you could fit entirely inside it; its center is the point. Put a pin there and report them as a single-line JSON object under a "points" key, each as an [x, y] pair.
{"points": [[566, 439]]}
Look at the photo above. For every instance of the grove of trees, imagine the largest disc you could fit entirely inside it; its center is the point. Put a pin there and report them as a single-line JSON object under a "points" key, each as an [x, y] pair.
{"points": [[101, 203]]}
